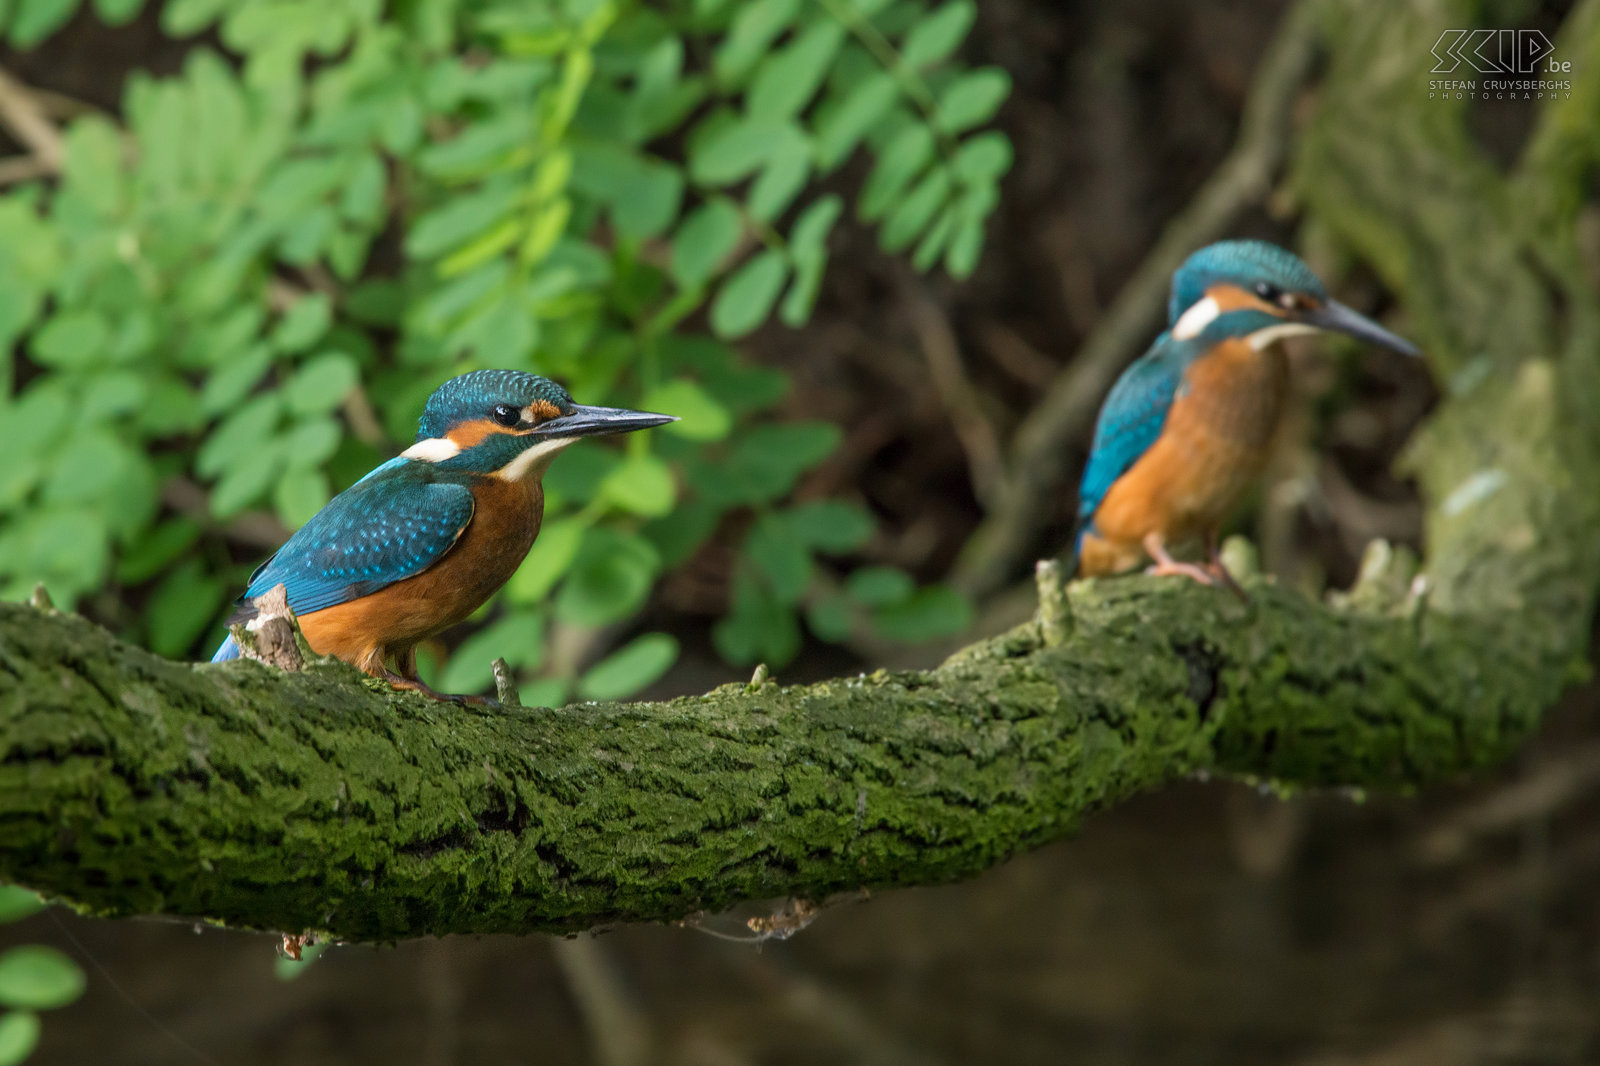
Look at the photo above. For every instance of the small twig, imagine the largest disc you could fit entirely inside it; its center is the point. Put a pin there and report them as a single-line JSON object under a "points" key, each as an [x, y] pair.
{"points": [[24, 119], [505, 684], [1040, 455], [21, 168], [619, 1032], [40, 599], [960, 397], [255, 529], [1055, 614]]}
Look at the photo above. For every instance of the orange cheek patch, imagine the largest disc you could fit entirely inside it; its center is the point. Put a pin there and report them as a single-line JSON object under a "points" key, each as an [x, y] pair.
{"points": [[541, 411], [1232, 298], [470, 434]]}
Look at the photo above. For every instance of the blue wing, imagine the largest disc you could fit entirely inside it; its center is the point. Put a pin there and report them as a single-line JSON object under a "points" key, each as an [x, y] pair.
{"points": [[394, 523], [1129, 423]]}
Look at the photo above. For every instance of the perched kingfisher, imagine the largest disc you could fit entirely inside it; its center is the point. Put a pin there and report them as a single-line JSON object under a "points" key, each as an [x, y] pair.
{"points": [[423, 540], [1188, 426]]}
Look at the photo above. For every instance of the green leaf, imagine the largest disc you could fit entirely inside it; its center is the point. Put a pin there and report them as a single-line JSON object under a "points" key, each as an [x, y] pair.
{"points": [[972, 99], [840, 128], [649, 201], [734, 150], [311, 441], [965, 247], [914, 212], [934, 38], [517, 638], [767, 460], [754, 28], [545, 692], [781, 181], [609, 579], [37, 19], [938, 235], [300, 493], [181, 608], [19, 1035], [548, 562], [183, 18], [787, 80], [72, 339], [641, 484], [230, 383], [879, 586], [457, 221], [757, 628], [155, 549], [832, 526], [117, 12], [901, 161], [38, 977], [246, 480], [701, 418], [678, 534], [809, 250], [303, 323], [934, 611], [745, 300], [321, 384], [830, 617], [983, 157], [706, 238], [17, 903], [630, 668], [781, 555]]}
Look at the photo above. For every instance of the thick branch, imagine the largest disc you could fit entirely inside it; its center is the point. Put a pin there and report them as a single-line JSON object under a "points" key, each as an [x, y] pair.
{"points": [[133, 785]]}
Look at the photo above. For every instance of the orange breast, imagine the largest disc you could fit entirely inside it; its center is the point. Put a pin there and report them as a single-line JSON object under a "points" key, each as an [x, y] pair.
{"points": [[1214, 444], [504, 523]]}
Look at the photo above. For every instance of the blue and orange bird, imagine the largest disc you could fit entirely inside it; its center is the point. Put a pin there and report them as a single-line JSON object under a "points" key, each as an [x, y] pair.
{"points": [[425, 539], [1188, 426]]}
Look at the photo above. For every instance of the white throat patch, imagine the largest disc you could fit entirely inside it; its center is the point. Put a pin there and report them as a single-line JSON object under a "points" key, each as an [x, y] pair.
{"points": [[1261, 338], [1191, 322], [534, 460], [432, 450]]}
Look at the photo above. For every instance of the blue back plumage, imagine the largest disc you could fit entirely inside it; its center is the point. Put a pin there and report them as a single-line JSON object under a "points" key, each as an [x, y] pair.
{"points": [[1130, 421], [388, 526], [392, 524]]}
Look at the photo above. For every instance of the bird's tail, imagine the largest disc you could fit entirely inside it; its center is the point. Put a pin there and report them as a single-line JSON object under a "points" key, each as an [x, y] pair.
{"points": [[1074, 563], [228, 651]]}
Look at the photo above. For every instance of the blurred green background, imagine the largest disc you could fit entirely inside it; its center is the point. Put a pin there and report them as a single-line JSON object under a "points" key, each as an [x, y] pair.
{"points": [[851, 243]]}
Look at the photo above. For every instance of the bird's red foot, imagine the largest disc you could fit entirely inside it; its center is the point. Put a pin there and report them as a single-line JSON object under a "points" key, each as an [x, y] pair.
{"points": [[1173, 568], [410, 684], [1166, 566]]}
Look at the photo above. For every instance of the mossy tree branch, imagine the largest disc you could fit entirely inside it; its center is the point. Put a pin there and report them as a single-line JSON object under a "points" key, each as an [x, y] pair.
{"points": [[317, 801]]}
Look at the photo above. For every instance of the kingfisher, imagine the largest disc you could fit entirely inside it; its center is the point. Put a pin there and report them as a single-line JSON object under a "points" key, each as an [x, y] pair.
{"points": [[425, 539], [1188, 426]]}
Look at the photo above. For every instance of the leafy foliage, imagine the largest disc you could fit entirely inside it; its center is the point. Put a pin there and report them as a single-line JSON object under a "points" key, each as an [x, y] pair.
{"points": [[33, 977], [238, 292]]}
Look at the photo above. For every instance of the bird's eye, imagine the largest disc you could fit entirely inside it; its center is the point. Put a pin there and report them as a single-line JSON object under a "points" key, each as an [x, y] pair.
{"points": [[1269, 292], [507, 415]]}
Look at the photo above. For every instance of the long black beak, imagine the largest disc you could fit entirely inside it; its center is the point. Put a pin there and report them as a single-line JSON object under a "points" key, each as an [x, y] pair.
{"points": [[1339, 318], [594, 421]]}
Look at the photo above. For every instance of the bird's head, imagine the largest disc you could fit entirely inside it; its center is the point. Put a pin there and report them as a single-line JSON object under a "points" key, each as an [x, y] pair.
{"points": [[1260, 293], [510, 424]]}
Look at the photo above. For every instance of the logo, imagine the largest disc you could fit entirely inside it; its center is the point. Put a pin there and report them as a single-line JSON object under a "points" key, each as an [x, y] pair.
{"points": [[1495, 52], [1498, 65]]}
